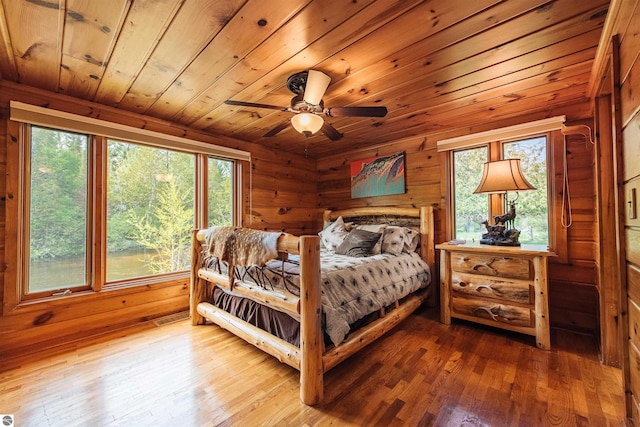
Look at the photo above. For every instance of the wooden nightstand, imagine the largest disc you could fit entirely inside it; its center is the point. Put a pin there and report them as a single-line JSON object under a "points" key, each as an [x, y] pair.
{"points": [[501, 286]]}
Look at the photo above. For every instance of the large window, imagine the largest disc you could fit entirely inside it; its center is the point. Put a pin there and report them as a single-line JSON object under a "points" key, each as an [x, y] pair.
{"points": [[150, 210], [101, 212], [58, 210], [532, 207]]}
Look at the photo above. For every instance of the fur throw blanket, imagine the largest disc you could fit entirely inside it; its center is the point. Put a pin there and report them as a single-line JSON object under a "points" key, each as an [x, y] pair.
{"points": [[241, 246]]}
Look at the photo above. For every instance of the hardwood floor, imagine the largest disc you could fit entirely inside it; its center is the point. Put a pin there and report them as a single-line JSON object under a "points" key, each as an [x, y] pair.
{"points": [[421, 373]]}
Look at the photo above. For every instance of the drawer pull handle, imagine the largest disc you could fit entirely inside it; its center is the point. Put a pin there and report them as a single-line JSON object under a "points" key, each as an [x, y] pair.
{"points": [[479, 288], [490, 311], [486, 265]]}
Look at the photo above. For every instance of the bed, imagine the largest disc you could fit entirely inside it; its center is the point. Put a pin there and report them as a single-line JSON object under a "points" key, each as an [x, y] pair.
{"points": [[302, 289]]}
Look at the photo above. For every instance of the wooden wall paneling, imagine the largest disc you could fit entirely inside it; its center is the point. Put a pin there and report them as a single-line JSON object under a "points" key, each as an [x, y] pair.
{"points": [[631, 203], [573, 306], [633, 282], [632, 237], [627, 25], [629, 35], [631, 148]]}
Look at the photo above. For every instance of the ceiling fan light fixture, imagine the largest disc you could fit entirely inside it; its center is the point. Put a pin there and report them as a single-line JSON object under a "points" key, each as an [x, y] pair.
{"points": [[307, 123]]}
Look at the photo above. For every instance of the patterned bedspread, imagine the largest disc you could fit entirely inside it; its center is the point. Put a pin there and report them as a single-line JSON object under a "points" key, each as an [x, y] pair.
{"points": [[352, 287]]}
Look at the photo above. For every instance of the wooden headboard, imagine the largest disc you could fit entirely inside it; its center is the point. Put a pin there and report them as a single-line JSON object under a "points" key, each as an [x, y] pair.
{"points": [[386, 214]]}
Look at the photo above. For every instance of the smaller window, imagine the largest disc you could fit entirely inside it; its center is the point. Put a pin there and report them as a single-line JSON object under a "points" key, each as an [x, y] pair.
{"points": [[220, 196], [470, 209], [532, 207]]}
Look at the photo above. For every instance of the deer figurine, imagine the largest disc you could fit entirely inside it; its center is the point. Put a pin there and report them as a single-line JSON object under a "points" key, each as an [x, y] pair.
{"points": [[508, 217]]}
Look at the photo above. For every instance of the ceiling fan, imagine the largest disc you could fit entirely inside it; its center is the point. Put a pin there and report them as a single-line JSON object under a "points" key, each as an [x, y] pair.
{"points": [[309, 88]]}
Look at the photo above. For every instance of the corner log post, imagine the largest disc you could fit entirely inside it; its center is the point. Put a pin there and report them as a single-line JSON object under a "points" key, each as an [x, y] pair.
{"points": [[198, 288], [311, 337]]}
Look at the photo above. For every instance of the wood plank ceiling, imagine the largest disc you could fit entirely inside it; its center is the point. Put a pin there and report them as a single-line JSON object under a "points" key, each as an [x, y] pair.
{"points": [[435, 65]]}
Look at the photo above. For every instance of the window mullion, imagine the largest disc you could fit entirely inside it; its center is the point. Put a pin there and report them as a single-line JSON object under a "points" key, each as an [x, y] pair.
{"points": [[97, 233]]}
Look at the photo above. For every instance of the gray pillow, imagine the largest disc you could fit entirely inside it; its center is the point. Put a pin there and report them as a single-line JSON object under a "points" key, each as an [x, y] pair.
{"points": [[358, 243]]}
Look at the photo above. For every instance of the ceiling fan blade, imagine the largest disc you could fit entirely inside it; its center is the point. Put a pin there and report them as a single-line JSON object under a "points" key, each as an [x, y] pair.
{"points": [[276, 130], [317, 84], [356, 111], [331, 132], [253, 104]]}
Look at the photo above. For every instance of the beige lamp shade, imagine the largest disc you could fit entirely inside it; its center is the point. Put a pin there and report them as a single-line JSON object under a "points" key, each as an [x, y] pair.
{"points": [[502, 176], [307, 123]]}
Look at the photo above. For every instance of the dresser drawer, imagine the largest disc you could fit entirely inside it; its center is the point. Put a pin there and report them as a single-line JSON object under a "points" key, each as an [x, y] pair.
{"points": [[491, 265], [474, 285], [492, 310]]}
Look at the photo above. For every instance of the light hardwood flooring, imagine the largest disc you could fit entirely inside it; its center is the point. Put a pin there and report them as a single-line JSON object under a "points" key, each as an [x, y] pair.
{"points": [[421, 373]]}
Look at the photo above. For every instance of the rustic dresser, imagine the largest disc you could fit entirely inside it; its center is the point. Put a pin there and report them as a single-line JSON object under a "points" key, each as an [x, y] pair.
{"points": [[501, 286]]}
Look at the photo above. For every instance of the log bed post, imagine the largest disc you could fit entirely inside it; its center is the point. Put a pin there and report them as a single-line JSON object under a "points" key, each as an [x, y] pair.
{"points": [[198, 289], [311, 337]]}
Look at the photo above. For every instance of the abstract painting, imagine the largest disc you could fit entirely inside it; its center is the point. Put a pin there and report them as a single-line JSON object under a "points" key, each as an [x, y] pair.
{"points": [[378, 176]]}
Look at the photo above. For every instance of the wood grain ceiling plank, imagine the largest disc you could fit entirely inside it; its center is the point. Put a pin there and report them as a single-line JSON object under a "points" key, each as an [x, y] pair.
{"points": [[35, 30], [145, 24], [90, 33], [414, 25], [487, 77], [513, 38], [8, 70], [538, 61], [308, 26], [254, 23], [176, 51], [567, 76], [273, 82]]}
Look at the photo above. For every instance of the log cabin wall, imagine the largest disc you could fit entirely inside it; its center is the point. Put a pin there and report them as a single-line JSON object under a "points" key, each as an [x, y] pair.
{"points": [[573, 290], [626, 110], [282, 197]]}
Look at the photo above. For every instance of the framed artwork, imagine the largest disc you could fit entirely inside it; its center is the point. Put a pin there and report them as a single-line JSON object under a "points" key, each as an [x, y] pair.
{"points": [[378, 176]]}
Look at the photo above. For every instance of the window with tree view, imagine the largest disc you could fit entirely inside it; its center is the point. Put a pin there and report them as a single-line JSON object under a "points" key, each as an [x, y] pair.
{"points": [[58, 207], [91, 220], [150, 210], [532, 207]]}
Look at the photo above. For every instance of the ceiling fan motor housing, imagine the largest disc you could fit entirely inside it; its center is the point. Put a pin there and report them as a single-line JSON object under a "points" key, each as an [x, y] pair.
{"points": [[299, 105]]}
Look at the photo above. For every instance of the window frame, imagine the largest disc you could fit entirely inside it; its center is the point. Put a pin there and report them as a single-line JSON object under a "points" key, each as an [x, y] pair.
{"points": [[18, 182], [557, 233]]}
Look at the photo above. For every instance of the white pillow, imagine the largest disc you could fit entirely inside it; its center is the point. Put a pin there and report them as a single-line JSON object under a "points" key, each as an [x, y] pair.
{"points": [[334, 234]]}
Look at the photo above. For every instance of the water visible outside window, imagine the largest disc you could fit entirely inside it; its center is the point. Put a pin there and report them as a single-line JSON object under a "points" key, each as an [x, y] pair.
{"points": [[150, 210], [58, 210]]}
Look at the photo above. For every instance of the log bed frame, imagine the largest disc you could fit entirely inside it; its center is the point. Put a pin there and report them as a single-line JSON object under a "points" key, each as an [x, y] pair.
{"points": [[311, 358]]}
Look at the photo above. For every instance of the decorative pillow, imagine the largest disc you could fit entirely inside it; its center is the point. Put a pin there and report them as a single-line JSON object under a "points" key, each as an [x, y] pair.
{"points": [[334, 234], [398, 239], [376, 228], [358, 243], [393, 240], [412, 240]]}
